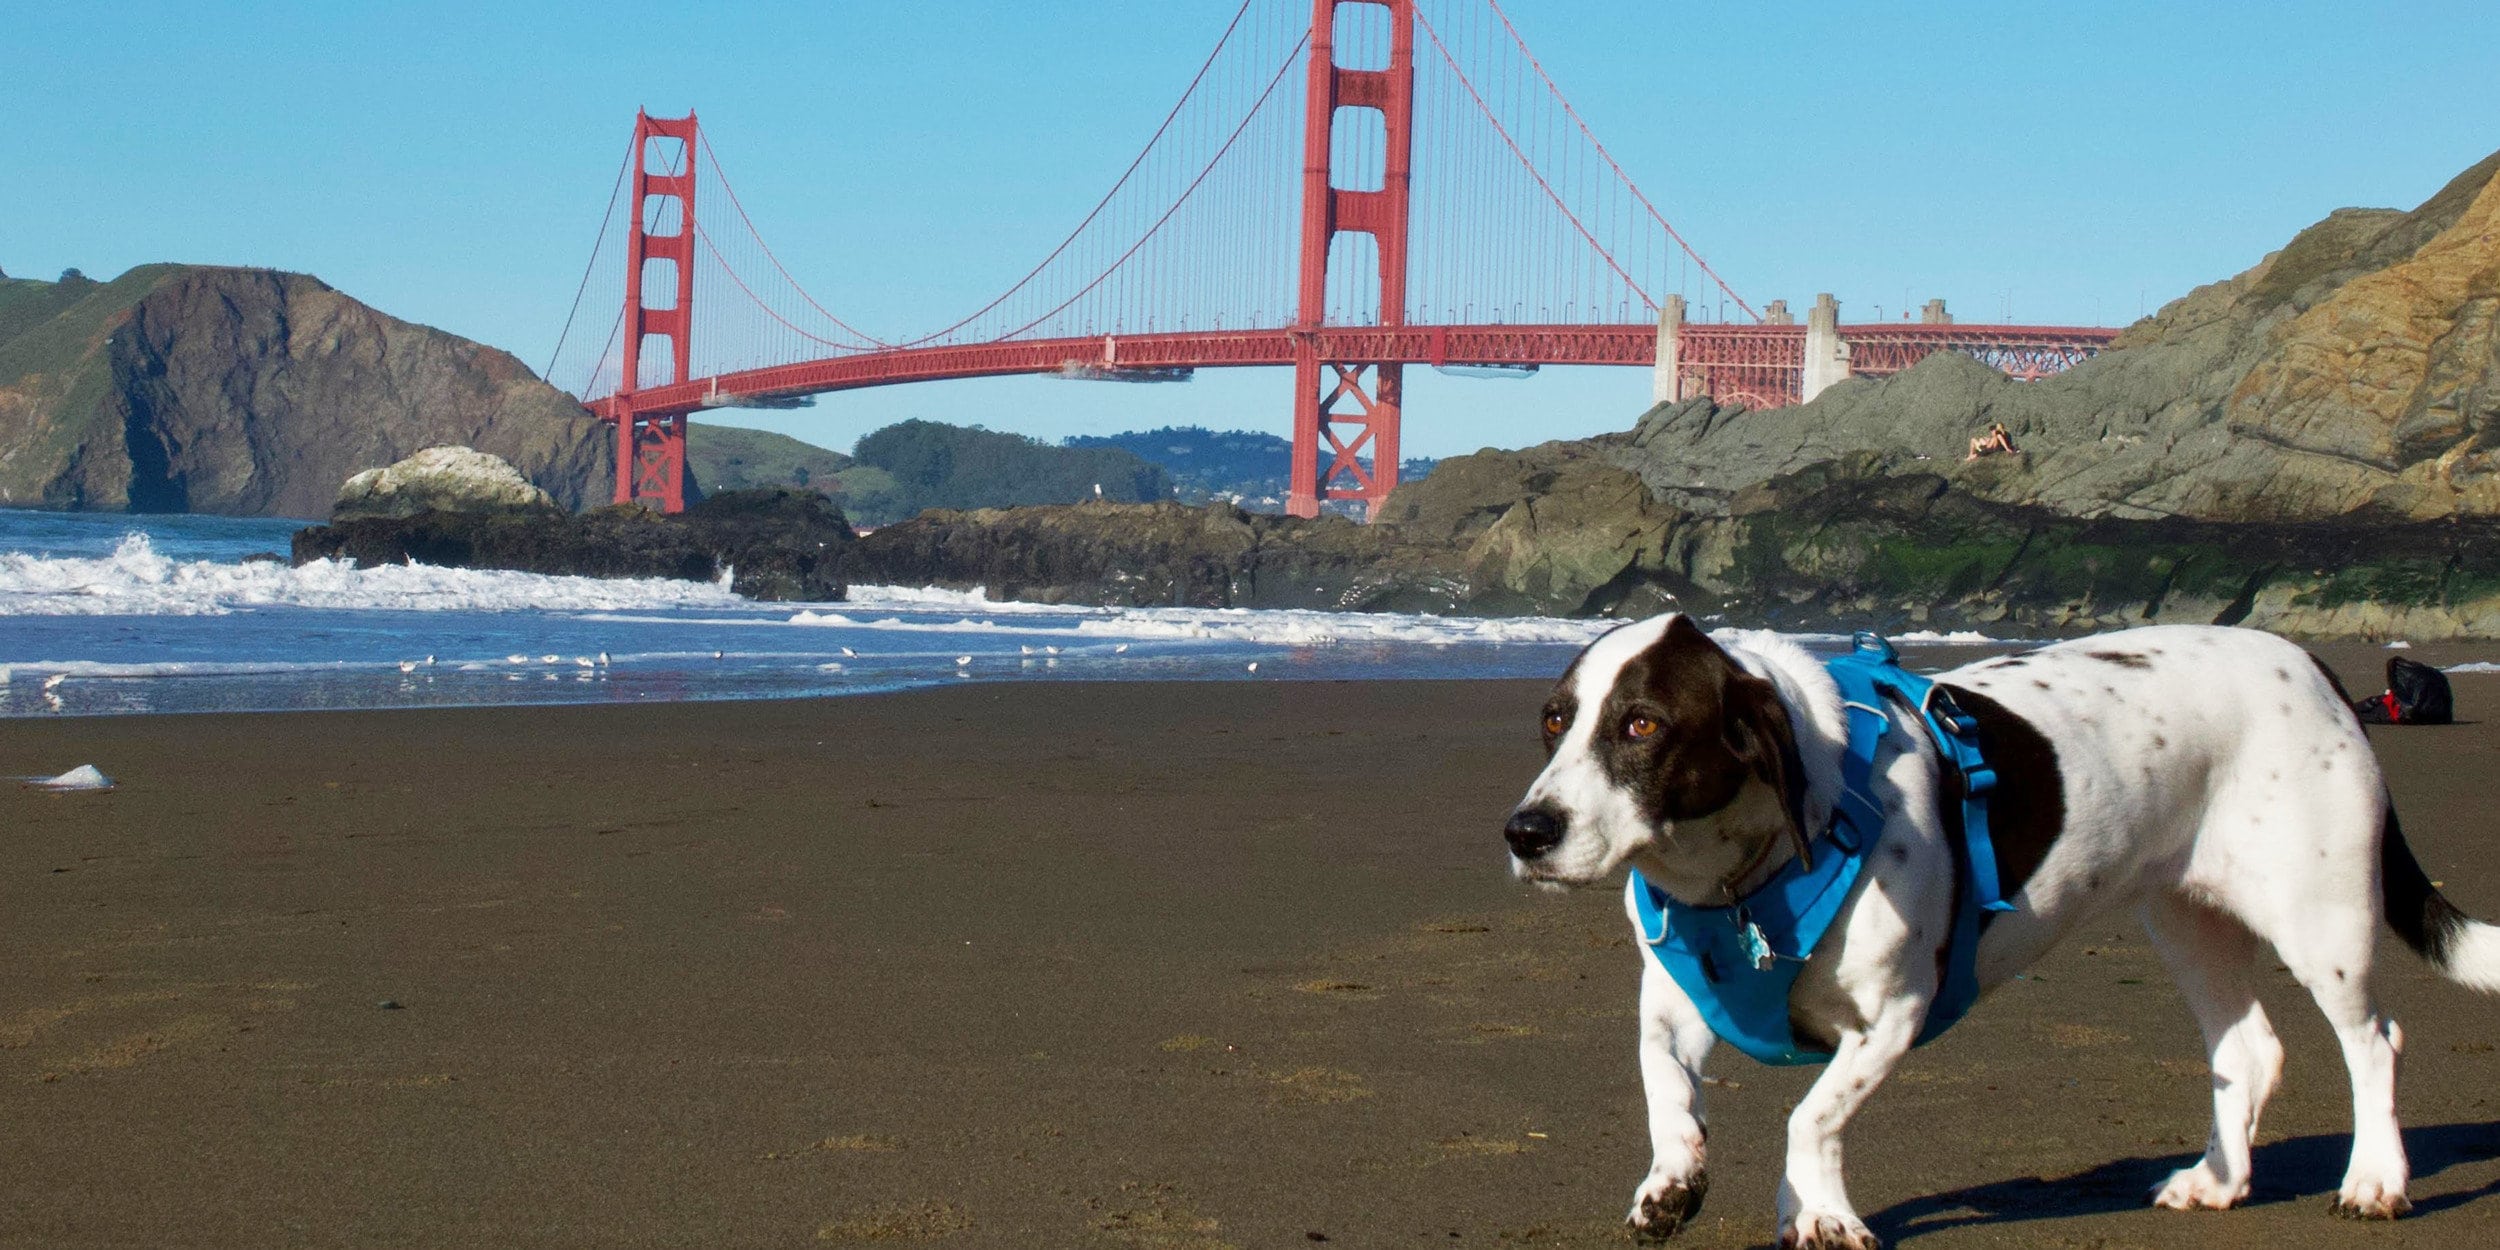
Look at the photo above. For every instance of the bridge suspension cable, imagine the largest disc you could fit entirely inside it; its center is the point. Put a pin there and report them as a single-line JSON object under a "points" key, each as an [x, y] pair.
{"points": [[869, 341], [1613, 166], [597, 248]]}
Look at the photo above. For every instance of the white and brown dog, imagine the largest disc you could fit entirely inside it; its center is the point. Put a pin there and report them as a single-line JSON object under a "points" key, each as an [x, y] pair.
{"points": [[2248, 816]]}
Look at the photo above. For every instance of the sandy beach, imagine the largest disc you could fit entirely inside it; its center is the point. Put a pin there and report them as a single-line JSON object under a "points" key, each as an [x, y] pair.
{"points": [[1151, 965]]}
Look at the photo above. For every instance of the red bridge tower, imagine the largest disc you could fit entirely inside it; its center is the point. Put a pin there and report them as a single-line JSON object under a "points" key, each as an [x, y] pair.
{"points": [[650, 447], [1328, 210]]}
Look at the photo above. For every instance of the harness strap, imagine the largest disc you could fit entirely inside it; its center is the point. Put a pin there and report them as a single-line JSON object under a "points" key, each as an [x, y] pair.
{"points": [[1737, 963]]}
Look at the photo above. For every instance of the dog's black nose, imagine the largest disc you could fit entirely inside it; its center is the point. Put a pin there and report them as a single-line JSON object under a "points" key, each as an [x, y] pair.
{"points": [[1533, 831]]}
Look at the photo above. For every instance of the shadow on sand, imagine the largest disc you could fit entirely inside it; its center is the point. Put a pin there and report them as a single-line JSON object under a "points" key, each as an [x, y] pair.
{"points": [[2286, 1171]]}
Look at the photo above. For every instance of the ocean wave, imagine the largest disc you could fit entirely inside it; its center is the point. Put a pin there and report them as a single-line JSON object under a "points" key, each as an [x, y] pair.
{"points": [[137, 581], [1271, 626], [1959, 637]]}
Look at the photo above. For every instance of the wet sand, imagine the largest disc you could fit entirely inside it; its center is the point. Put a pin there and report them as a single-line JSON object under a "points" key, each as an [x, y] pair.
{"points": [[1039, 965]]}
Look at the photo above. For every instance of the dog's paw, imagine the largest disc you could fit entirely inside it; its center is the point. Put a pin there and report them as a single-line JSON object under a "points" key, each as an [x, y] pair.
{"points": [[2370, 1200], [1664, 1204], [2198, 1189], [1810, 1231]]}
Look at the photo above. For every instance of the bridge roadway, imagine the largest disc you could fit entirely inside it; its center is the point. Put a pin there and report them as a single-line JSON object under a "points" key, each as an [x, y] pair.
{"points": [[1874, 349]]}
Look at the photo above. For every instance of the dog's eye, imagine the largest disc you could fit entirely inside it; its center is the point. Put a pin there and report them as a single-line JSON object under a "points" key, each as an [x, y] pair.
{"points": [[1555, 723], [1639, 727]]}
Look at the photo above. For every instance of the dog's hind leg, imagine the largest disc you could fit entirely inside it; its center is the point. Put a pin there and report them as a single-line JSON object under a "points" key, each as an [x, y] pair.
{"points": [[1674, 1042], [2330, 953], [2213, 957]]}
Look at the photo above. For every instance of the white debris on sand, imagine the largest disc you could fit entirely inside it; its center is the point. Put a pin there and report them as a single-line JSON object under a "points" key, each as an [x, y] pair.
{"points": [[83, 777]]}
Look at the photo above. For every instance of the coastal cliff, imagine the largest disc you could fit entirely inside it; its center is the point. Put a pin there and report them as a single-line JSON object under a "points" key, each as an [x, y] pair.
{"points": [[252, 392], [2355, 372]]}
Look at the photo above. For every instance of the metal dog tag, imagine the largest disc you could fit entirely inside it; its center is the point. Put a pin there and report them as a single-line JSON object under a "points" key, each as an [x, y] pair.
{"points": [[1757, 947]]}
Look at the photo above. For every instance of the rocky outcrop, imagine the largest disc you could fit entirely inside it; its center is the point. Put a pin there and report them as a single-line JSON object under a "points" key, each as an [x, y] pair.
{"points": [[254, 392], [2355, 372], [1159, 554], [438, 479], [1841, 546], [774, 544], [1560, 530]]}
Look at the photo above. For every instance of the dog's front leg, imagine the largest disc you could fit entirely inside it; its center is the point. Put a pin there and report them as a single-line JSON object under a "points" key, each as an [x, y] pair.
{"points": [[1674, 1041], [1814, 1201]]}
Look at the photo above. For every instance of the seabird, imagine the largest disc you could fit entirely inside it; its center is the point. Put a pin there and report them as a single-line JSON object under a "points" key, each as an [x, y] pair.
{"points": [[407, 666], [1254, 666], [603, 659], [848, 652], [549, 659], [1122, 647], [53, 682]]}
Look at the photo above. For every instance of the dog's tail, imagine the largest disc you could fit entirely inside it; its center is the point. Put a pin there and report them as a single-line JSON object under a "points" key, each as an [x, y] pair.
{"points": [[2465, 950]]}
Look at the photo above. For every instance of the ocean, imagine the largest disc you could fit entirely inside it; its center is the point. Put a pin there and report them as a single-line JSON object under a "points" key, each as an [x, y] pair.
{"points": [[108, 614]]}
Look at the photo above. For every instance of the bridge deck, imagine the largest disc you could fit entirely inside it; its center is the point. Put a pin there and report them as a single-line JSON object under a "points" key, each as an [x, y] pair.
{"points": [[1883, 347]]}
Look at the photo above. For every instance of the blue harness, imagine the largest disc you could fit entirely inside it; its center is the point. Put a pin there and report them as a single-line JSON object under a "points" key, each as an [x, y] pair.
{"points": [[1739, 962]]}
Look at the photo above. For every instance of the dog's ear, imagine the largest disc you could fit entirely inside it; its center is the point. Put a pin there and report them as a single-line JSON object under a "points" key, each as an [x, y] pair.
{"points": [[1761, 737], [1682, 632]]}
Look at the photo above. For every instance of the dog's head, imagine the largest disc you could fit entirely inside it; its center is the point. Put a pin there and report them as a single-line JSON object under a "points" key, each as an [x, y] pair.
{"points": [[1664, 753]]}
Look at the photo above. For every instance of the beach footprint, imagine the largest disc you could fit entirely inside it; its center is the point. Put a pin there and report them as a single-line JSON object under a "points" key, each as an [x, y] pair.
{"points": [[1154, 1217], [925, 1222]]}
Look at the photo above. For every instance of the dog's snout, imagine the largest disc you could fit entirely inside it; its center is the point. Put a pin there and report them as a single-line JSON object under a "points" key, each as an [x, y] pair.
{"points": [[1533, 831]]}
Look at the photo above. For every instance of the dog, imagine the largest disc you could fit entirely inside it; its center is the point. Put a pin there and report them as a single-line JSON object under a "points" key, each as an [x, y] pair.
{"points": [[2213, 779]]}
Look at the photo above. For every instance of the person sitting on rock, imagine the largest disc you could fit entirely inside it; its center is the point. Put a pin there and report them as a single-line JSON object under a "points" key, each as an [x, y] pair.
{"points": [[1995, 442]]}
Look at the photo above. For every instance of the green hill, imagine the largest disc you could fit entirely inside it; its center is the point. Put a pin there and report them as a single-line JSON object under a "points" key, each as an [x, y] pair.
{"points": [[1241, 466], [730, 457], [915, 465]]}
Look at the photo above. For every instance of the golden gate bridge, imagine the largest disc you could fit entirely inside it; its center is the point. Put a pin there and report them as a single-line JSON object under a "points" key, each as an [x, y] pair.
{"points": [[1449, 208]]}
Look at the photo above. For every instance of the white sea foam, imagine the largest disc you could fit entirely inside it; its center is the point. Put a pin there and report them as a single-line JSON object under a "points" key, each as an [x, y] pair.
{"points": [[136, 581], [1959, 637], [939, 597], [1274, 626], [2478, 666]]}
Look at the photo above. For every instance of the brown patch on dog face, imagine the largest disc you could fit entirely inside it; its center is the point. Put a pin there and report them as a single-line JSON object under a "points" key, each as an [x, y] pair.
{"points": [[1561, 708], [1684, 730]]}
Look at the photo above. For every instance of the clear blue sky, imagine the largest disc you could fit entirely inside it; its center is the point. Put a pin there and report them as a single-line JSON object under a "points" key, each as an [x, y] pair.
{"points": [[448, 162]]}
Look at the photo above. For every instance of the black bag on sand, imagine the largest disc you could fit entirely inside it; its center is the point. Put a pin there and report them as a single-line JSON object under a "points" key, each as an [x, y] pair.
{"points": [[2417, 694]]}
